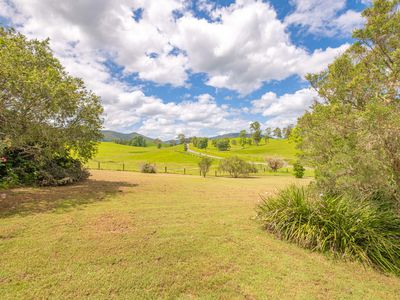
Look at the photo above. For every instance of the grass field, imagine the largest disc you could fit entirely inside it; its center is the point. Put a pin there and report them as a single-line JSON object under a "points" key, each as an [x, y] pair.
{"points": [[139, 236], [280, 148], [113, 156]]}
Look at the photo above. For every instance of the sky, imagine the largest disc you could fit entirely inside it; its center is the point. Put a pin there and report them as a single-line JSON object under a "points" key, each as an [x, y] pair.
{"points": [[201, 68]]}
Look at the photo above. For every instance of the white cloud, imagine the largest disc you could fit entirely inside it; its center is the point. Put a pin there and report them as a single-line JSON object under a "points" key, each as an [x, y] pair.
{"points": [[324, 18], [239, 48], [284, 110], [245, 47]]}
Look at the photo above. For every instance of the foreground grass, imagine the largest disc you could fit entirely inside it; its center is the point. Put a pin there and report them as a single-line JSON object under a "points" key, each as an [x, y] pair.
{"points": [[140, 236]]}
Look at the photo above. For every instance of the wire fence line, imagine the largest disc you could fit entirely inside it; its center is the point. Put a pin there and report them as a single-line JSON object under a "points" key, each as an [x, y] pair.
{"points": [[174, 169]]}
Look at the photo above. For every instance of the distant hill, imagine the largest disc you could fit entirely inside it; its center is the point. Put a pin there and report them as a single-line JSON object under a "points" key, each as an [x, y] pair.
{"points": [[227, 135], [109, 136]]}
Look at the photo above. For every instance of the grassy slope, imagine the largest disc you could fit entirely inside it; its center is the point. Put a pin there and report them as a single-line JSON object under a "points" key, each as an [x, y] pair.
{"points": [[112, 156], [137, 236], [280, 148]]}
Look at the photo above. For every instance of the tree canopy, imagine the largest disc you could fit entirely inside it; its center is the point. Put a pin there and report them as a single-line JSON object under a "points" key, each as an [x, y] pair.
{"points": [[352, 137]]}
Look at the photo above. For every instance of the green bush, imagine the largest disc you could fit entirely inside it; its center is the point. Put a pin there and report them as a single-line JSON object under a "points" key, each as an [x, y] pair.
{"points": [[223, 145], [148, 168], [298, 170], [236, 167], [367, 231], [204, 165]]}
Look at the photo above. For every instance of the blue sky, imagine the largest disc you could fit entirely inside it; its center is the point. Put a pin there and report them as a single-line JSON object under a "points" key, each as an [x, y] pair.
{"points": [[164, 67]]}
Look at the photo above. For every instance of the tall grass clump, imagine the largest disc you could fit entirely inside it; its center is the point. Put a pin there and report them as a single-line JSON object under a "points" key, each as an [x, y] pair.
{"points": [[367, 231]]}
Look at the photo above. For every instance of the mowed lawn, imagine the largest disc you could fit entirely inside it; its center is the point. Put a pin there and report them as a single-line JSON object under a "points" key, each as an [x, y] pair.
{"points": [[142, 236]]}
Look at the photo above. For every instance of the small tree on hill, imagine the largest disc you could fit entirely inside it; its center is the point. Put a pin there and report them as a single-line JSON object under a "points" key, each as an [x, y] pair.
{"points": [[268, 133], [181, 138], [255, 129], [278, 132], [204, 165], [236, 167], [243, 138], [158, 143], [202, 143], [275, 163], [223, 145]]}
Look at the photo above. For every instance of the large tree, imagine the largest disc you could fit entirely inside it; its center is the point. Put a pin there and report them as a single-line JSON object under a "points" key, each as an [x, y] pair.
{"points": [[352, 137], [44, 112]]}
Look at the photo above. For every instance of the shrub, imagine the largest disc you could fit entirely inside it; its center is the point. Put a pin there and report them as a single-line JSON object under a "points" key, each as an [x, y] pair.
{"points": [[202, 143], [20, 168], [148, 168], [204, 165], [236, 167], [298, 170], [367, 231], [223, 145], [275, 163]]}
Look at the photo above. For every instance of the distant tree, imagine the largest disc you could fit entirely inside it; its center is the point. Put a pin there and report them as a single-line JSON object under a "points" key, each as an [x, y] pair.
{"points": [[286, 131], [158, 143], [223, 145], [181, 138], [243, 138], [298, 170], [185, 147], [233, 142], [172, 143], [236, 167], [202, 143], [275, 163], [194, 141], [256, 134], [249, 141], [204, 165], [278, 132], [268, 133], [139, 141], [214, 142]]}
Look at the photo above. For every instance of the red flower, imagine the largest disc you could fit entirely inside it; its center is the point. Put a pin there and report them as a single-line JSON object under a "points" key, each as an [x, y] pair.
{"points": [[3, 159]]}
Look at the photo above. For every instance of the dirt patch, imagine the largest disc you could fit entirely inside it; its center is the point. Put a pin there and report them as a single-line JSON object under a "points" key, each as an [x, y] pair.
{"points": [[111, 223]]}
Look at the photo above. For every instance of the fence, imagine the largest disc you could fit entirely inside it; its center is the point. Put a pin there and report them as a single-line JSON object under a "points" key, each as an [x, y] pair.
{"points": [[263, 170]]}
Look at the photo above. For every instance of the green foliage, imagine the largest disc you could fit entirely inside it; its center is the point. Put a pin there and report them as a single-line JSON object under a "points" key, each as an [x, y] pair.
{"points": [[353, 137], [277, 132], [47, 117], [148, 168], [138, 141], [204, 165], [275, 163], [223, 145], [233, 142], [367, 231], [202, 143], [243, 138], [181, 138], [185, 147], [43, 110], [298, 170], [256, 133], [237, 167]]}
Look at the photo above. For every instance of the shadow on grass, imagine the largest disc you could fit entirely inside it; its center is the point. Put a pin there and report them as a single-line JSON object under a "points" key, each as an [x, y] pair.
{"points": [[26, 201]]}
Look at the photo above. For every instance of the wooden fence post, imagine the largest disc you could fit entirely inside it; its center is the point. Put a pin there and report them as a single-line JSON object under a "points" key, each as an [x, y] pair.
{"points": [[123, 166], [215, 173], [165, 169], [184, 171], [98, 165]]}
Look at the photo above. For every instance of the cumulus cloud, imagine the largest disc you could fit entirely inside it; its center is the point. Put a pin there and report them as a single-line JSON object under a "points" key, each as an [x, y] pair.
{"points": [[239, 47], [284, 110], [246, 46], [324, 18]]}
